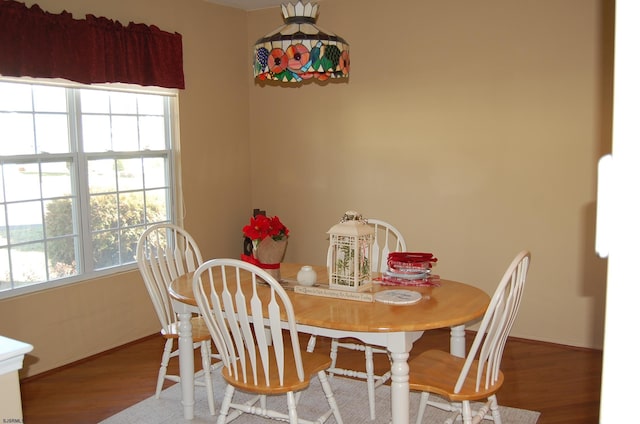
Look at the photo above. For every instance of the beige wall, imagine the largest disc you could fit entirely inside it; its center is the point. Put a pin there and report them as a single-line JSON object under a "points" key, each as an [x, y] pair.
{"points": [[474, 127], [69, 323]]}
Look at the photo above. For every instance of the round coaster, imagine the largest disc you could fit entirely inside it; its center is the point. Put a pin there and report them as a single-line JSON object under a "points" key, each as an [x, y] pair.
{"points": [[398, 297]]}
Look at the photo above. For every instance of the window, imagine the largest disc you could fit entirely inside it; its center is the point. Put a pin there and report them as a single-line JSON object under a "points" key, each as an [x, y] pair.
{"points": [[83, 171]]}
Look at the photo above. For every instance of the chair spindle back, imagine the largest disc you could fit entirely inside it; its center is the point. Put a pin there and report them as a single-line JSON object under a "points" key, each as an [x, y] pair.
{"points": [[488, 345], [165, 252], [241, 304]]}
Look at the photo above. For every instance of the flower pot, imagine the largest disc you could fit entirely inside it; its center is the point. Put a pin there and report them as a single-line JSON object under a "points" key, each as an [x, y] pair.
{"points": [[270, 253]]}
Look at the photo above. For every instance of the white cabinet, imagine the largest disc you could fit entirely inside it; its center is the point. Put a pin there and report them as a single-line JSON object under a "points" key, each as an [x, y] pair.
{"points": [[11, 356]]}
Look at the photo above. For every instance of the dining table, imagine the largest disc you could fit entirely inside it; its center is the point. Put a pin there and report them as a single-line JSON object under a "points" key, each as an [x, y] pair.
{"points": [[442, 304]]}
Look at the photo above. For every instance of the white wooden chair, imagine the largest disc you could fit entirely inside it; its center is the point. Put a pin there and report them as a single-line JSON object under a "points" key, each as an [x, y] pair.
{"points": [[165, 252], [476, 377], [240, 304], [387, 239]]}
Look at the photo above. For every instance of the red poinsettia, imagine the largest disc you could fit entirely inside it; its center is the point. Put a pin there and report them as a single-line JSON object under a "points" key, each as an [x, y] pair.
{"points": [[261, 227]]}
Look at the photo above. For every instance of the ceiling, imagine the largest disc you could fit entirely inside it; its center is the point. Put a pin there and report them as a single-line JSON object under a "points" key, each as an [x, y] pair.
{"points": [[251, 4]]}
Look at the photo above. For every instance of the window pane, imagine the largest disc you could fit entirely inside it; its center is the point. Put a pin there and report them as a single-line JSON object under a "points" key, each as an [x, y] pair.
{"points": [[157, 206], [104, 212], [128, 243], [5, 272], [59, 218], [16, 137], [52, 133], [129, 174], [124, 133], [28, 264], [63, 257], [150, 105], [25, 222], [3, 228], [94, 101], [15, 97], [102, 176], [123, 103], [131, 209], [25, 181], [152, 133], [49, 99], [96, 133], [155, 172], [56, 179], [105, 249]]}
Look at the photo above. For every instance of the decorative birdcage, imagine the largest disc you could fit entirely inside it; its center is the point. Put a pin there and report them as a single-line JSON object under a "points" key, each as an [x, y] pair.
{"points": [[349, 256]]}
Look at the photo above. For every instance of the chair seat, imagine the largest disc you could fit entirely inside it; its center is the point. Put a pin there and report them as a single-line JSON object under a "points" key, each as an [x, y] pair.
{"points": [[312, 362], [439, 372], [198, 329]]}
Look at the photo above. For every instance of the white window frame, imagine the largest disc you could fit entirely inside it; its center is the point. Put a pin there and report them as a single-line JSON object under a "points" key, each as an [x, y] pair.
{"points": [[82, 183]]}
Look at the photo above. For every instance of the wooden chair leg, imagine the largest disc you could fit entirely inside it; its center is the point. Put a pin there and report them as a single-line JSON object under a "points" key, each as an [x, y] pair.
{"points": [[291, 405], [467, 415], [333, 354], [205, 352], [311, 345], [424, 398], [371, 381], [495, 410], [164, 362], [226, 403], [326, 387]]}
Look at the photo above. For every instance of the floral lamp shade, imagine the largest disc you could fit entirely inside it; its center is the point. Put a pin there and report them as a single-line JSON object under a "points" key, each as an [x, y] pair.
{"points": [[350, 243], [300, 50]]}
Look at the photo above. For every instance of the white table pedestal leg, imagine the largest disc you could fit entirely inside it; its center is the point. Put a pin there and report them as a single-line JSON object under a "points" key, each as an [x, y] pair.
{"points": [[400, 388], [457, 344], [399, 345], [185, 343]]}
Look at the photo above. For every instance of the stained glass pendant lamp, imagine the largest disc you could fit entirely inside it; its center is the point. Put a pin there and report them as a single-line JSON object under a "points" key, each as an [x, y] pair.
{"points": [[300, 50]]}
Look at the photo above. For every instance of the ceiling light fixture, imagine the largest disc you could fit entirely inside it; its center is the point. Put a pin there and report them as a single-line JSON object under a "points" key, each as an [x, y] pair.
{"points": [[300, 50]]}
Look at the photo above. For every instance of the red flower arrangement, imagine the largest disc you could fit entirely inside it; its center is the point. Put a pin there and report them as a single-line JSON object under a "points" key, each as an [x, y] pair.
{"points": [[269, 238], [261, 227]]}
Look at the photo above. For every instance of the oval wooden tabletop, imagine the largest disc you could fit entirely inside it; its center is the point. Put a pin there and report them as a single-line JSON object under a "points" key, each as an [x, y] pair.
{"points": [[448, 304]]}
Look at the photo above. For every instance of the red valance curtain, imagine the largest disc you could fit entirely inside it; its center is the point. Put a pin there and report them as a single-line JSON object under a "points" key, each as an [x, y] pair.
{"points": [[39, 44]]}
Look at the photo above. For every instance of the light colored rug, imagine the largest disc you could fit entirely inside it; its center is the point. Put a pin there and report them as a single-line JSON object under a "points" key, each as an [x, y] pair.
{"points": [[351, 396]]}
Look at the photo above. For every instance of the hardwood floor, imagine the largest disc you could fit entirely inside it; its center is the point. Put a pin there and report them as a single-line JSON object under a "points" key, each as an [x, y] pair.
{"points": [[562, 383]]}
